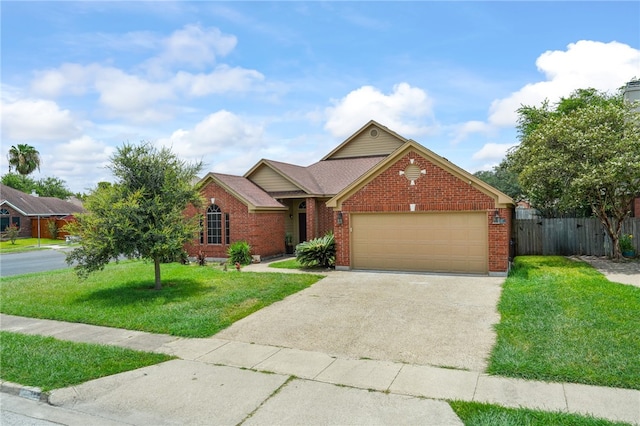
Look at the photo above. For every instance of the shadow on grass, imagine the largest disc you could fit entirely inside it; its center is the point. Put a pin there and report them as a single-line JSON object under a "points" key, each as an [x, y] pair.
{"points": [[142, 291]]}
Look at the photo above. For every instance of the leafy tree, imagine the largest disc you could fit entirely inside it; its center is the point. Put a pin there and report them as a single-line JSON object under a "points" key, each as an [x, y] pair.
{"points": [[141, 215], [583, 152], [20, 182], [24, 158], [45, 187], [502, 178], [52, 187]]}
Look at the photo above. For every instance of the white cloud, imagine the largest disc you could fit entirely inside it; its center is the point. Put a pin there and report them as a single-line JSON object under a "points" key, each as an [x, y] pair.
{"points": [[36, 119], [219, 132], [470, 127], [405, 110], [492, 151], [603, 66], [196, 46], [223, 79]]}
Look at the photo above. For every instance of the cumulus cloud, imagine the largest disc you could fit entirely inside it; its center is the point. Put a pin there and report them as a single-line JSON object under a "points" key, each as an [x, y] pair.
{"points": [[222, 79], [492, 151], [36, 119], [603, 66], [470, 127], [218, 132], [405, 110], [196, 46]]}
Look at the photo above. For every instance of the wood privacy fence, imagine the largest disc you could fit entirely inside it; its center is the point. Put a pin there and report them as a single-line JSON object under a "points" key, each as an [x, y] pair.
{"points": [[568, 236]]}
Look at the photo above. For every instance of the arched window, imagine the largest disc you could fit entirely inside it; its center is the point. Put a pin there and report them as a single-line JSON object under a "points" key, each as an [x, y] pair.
{"points": [[302, 205], [4, 220], [214, 225], [4, 212]]}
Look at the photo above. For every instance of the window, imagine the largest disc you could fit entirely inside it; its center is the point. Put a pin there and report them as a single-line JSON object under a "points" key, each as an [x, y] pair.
{"points": [[214, 225], [4, 219], [227, 229], [201, 230], [15, 221]]}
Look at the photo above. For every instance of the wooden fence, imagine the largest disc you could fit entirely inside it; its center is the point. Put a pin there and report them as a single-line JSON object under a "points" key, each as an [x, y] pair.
{"points": [[568, 236]]}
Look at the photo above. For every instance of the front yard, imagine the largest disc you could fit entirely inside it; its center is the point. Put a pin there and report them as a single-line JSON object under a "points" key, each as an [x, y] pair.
{"points": [[563, 321], [195, 301]]}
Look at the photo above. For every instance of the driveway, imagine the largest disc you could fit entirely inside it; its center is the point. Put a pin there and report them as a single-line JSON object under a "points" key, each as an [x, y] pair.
{"points": [[435, 320]]}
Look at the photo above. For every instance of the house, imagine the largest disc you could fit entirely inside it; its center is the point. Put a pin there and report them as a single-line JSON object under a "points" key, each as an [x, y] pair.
{"points": [[30, 213], [392, 204]]}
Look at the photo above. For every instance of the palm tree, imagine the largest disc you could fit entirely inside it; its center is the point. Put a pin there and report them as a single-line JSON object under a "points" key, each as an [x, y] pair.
{"points": [[24, 158]]}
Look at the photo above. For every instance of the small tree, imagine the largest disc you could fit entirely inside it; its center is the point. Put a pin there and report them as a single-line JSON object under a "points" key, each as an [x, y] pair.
{"points": [[585, 152], [12, 233], [141, 215], [52, 227]]}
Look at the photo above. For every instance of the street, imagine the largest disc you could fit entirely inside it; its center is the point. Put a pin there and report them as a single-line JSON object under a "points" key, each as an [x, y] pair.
{"points": [[32, 261]]}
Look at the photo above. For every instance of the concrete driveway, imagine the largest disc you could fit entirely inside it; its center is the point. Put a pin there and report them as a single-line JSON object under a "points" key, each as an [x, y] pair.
{"points": [[435, 320]]}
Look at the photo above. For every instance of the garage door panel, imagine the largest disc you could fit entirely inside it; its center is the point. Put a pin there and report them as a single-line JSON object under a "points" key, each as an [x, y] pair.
{"points": [[437, 242]]}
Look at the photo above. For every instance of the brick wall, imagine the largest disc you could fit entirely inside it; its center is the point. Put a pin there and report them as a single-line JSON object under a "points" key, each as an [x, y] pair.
{"points": [[436, 190], [25, 222], [636, 207], [263, 231]]}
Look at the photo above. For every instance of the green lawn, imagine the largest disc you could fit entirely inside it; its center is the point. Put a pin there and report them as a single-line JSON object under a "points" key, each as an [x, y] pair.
{"points": [[48, 363], [561, 320], [195, 301], [476, 414], [26, 244]]}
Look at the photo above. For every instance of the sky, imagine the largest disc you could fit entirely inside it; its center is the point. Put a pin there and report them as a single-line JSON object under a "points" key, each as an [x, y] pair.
{"points": [[230, 83]]}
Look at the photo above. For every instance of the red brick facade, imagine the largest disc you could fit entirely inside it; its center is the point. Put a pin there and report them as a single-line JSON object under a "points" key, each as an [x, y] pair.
{"points": [[23, 222], [264, 231], [636, 207], [434, 190]]}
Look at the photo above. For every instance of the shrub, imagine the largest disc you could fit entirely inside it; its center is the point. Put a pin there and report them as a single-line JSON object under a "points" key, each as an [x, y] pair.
{"points": [[12, 233], [239, 252], [52, 227], [318, 252]]}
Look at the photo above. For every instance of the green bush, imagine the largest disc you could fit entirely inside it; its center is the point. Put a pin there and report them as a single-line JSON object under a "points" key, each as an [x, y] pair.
{"points": [[239, 252], [318, 252], [52, 226]]}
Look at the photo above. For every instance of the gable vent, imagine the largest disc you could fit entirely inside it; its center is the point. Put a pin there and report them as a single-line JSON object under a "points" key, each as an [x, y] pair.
{"points": [[373, 133]]}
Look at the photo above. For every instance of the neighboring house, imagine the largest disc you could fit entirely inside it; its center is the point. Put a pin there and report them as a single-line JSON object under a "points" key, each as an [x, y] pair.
{"points": [[391, 203], [27, 211]]}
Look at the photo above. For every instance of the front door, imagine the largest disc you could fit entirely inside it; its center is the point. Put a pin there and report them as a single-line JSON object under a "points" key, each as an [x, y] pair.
{"points": [[302, 226]]}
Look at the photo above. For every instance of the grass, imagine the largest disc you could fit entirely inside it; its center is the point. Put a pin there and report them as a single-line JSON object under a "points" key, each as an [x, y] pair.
{"points": [[26, 244], [286, 264], [48, 363], [563, 321], [477, 414], [294, 264], [195, 301]]}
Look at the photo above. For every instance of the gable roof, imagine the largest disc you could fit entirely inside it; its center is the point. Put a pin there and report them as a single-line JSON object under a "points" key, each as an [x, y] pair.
{"points": [[29, 205], [361, 144], [324, 178], [501, 199], [244, 190]]}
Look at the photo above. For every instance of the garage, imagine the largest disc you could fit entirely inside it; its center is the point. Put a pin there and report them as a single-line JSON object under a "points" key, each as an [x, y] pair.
{"points": [[432, 242]]}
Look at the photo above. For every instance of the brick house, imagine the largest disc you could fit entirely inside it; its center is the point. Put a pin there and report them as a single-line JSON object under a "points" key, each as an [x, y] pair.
{"points": [[27, 211], [391, 203]]}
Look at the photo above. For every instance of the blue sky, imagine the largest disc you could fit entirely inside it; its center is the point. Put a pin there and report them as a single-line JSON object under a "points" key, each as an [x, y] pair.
{"points": [[230, 83]]}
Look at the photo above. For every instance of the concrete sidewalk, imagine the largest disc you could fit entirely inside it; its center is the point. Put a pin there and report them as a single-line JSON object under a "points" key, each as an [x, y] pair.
{"points": [[215, 376]]}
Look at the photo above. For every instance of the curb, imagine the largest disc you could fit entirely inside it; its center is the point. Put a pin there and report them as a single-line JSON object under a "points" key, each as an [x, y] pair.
{"points": [[28, 392]]}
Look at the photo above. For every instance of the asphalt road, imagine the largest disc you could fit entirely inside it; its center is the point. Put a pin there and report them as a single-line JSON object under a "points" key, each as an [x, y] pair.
{"points": [[32, 261]]}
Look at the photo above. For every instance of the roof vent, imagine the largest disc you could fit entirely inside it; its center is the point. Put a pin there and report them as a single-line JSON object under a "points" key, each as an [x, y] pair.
{"points": [[373, 133]]}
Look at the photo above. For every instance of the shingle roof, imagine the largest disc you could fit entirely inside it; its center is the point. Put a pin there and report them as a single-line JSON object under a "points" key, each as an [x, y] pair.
{"points": [[247, 190], [30, 205], [326, 177]]}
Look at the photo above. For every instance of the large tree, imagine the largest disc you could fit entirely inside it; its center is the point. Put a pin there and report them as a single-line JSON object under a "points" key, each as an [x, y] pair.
{"points": [[502, 178], [141, 214], [24, 158], [582, 152]]}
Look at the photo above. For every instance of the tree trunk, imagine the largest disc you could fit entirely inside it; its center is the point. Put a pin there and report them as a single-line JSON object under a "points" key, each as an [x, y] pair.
{"points": [[156, 263], [612, 227]]}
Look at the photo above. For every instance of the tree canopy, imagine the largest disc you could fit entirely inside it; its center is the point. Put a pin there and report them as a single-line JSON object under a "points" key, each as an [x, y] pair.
{"points": [[141, 214], [45, 187], [24, 158], [502, 178], [582, 153]]}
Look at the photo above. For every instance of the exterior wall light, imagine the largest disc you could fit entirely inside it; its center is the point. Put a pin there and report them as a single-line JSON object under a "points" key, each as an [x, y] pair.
{"points": [[340, 218], [497, 220]]}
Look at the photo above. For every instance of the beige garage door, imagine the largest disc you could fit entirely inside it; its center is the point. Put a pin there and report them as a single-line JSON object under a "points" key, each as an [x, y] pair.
{"points": [[434, 242]]}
